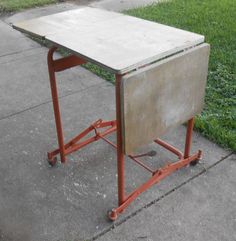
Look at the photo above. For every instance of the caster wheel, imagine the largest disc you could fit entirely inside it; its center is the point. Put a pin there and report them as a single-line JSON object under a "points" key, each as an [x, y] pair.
{"points": [[152, 153], [112, 215], [194, 163], [52, 162]]}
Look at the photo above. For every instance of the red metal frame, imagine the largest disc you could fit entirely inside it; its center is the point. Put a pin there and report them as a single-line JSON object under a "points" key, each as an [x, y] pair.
{"points": [[103, 128]]}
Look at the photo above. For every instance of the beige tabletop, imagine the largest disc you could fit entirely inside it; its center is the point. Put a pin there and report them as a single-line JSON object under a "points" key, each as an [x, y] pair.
{"points": [[117, 42]]}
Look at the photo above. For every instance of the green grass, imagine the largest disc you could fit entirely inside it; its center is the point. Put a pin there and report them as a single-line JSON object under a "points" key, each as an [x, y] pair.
{"points": [[16, 5], [216, 19]]}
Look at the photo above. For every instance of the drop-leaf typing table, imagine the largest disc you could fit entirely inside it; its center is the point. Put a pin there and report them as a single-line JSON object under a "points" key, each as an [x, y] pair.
{"points": [[160, 72]]}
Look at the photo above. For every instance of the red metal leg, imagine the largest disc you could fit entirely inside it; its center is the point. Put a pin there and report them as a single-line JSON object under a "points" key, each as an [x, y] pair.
{"points": [[56, 66], [188, 141], [56, 105]]}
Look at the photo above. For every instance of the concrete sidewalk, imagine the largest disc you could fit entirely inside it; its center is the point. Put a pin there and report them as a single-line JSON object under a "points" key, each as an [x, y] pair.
{"points": [[201, 209], [69, 202]]}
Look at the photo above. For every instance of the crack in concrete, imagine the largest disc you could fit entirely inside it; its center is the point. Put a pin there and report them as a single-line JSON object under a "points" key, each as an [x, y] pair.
{"points": [[158, 199], [48, 101], [19, 52]]}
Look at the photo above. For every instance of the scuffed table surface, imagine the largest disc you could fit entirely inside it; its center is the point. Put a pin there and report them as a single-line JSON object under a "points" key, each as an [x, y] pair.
{"points": [[117, 42]]}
